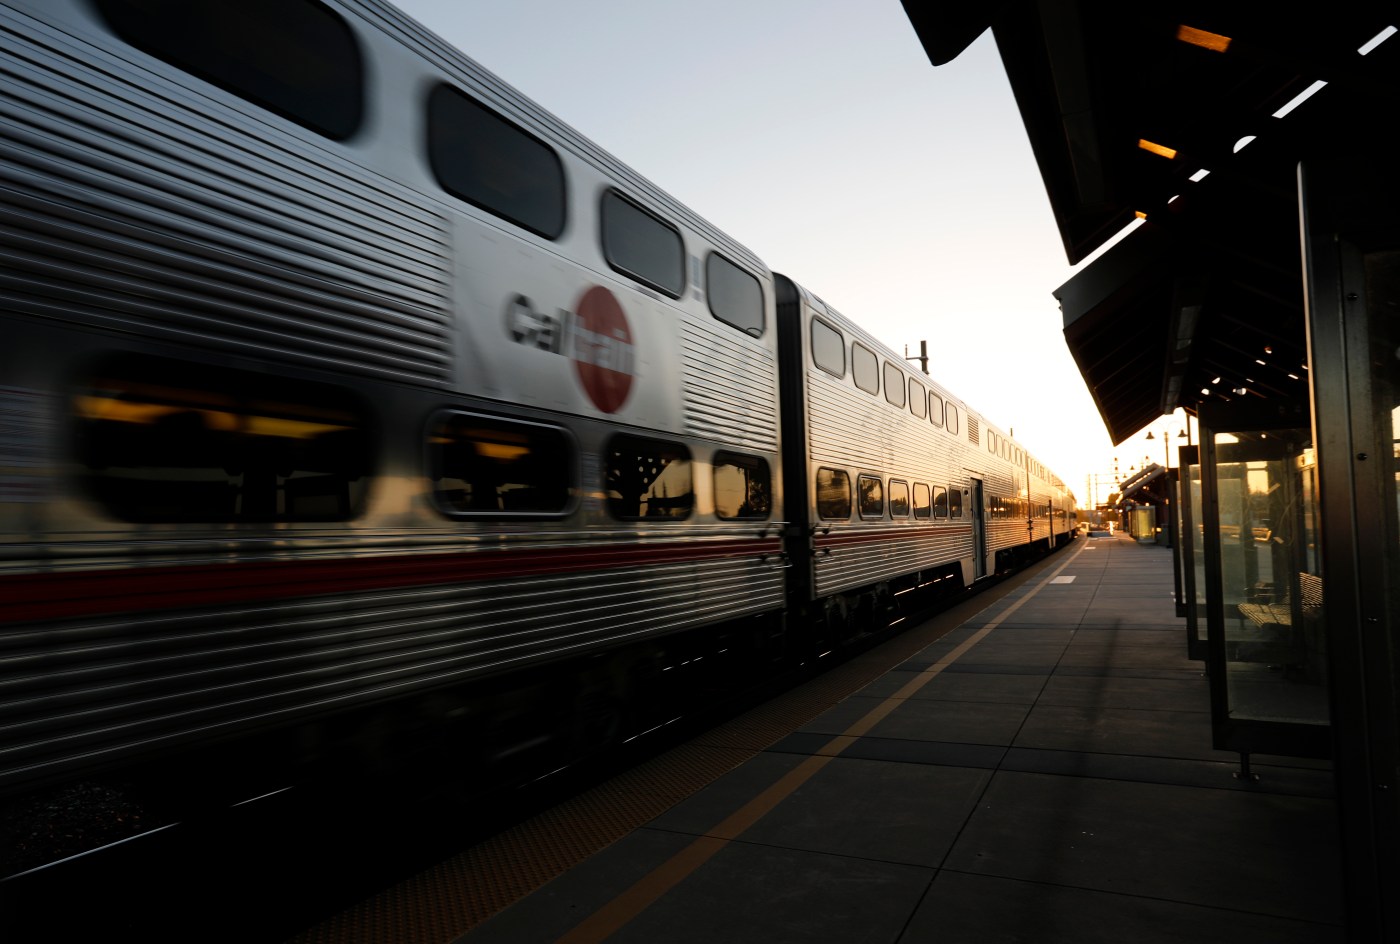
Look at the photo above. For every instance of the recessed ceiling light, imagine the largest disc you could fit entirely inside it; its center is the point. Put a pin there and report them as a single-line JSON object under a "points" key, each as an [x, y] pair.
{"points": [[1301, 97], [1203, 38], [1376, 40], [1159, 149]]}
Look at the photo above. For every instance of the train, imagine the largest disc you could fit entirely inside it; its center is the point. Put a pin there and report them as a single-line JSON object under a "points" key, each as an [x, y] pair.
{"points": [[345, 387]]}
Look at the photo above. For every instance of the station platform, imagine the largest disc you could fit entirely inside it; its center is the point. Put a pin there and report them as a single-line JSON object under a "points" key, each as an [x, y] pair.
{"points": [[1040, 773]]}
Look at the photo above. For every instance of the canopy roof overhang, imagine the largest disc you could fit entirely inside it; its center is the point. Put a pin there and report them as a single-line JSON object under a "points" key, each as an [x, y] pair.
{"points": [[1126, 105], [1140, 488]]}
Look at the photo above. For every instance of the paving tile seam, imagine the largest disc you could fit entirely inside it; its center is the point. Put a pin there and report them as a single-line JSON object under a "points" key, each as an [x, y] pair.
{"points": [[1228, 782], [846, 756], [760, 844], [1130, 895], [1007, 764], [1070, 704]]}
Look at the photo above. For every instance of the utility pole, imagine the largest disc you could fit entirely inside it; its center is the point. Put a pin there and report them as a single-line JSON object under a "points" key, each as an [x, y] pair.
{"points": [[921, 357]]}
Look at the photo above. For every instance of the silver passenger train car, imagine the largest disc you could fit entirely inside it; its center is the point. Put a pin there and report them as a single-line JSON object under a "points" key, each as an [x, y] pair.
{"points": [[337, 377]]}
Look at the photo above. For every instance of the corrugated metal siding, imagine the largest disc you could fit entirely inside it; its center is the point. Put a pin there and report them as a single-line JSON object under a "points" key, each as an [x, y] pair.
{"points": [[731, 388], [845, 428], [905, 550], [76, 691], [196, 224]]}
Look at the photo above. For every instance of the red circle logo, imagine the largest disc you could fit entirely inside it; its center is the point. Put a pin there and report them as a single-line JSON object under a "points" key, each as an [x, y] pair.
{"points": [[602, 349]]}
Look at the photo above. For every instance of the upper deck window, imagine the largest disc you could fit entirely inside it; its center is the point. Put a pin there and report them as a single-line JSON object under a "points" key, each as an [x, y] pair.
{"points": [[736, 298], [640, 244], [493, 164], [828, 348], [865, 366], [294, 57], [935, 409], [918, 399], [894, 385]]}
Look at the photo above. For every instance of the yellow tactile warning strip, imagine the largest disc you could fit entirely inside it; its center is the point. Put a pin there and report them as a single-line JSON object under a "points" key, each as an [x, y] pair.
{"points": [[616, 914], [449, 899]]}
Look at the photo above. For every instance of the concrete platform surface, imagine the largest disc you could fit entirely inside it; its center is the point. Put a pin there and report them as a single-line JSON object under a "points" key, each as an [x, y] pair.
{"points": [[1042, 773]]}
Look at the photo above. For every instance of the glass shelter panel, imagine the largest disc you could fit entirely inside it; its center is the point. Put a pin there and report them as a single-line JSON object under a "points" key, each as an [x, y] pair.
{"points": [[1266, 625], [1193, 554]]}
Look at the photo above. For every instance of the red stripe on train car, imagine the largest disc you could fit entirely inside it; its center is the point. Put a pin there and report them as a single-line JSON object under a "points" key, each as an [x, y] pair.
{"points": [[34, 597]]}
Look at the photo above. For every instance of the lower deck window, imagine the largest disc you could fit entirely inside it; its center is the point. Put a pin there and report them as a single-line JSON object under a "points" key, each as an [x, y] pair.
{"points": [[743, 486], [162, 440], [923, 502], [899, 499], [648, 478], [872, 496], [833, 494], [940, 502], [486, 465]]}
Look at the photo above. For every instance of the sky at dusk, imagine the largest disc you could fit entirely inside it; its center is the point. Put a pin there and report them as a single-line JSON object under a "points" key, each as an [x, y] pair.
{"points": [[817, 133]]}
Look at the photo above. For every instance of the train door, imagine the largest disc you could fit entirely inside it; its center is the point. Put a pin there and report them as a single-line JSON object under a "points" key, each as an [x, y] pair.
{"points": [[979, 532]]}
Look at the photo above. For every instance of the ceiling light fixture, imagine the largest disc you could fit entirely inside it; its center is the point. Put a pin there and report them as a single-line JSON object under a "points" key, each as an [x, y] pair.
{"points": [[1159, 149], [1377, 39], [1203, 38], [1301, 97]]}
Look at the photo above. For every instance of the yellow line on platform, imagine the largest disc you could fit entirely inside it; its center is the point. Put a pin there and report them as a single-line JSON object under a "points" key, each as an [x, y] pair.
{"points": [[618, 913]]}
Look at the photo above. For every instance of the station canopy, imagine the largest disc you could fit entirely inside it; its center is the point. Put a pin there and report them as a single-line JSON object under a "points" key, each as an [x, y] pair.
{"points": [[1188, 120], [1139, 488]]}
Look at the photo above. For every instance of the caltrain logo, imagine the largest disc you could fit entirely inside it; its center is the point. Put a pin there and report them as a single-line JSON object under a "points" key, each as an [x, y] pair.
{"points": [[595, 336], [602, 349]]}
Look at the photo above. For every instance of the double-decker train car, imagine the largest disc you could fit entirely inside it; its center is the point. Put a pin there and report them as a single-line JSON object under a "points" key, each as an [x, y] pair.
{"points": [[341, 381], [895, 484]]}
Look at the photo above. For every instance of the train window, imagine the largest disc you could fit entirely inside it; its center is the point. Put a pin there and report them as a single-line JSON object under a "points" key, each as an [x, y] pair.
{"points": [[480, 157], [923, 503], [648, 478], [828, 348], [894, 385], [940, 502], [950, 418], [482, 465], [293, 57], [935, 409], [171, 441], [955, 503], [833, 494], [743, 486], [918, 399], [736, 298], [865, 367], [872, 496], [899, 499], [639, 244]]}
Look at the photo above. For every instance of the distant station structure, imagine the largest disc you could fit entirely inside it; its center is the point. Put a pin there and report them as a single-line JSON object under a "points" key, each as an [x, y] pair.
{"points": [[1260, 292]]}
